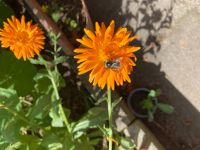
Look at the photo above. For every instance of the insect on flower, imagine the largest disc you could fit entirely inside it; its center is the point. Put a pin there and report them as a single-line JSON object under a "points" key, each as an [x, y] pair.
{"points": [[107, 55], [113, 64]]}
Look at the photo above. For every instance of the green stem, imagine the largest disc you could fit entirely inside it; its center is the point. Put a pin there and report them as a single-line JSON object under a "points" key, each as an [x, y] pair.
{"points": [[62, 113], [61, 110], [109, 103]]}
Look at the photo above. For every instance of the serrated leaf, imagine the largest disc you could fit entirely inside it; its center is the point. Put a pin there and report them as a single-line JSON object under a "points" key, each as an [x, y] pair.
{"points": [[94, 117], [59, 60], [166, 108]]}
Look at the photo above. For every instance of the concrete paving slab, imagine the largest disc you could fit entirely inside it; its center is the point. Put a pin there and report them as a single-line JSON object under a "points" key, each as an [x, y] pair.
{"points": [[134, 128]]}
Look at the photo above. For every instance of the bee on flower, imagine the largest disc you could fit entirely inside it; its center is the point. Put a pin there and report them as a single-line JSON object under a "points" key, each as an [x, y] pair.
{"points": [[106, 55]]}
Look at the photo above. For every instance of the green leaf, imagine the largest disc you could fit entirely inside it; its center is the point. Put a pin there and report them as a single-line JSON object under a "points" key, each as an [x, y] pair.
{"points": [[15, 145], [43, 84], [116, 102], [55, 16], [73, 24], [56, 119], [84, 144], [7, 93], [52, 141], [11, 132], [6, 12], [17, 73], [94, 117], [41, 74], [147, 104], [41, 108], [36, 61], [127, 143], [9, 97], [31, 141], [166, 108], [152, 93], [59, 60], [60, 82]]}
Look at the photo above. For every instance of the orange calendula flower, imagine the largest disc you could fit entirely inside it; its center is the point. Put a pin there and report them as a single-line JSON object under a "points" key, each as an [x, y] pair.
{"points": [[107, 55], [24, 39]]}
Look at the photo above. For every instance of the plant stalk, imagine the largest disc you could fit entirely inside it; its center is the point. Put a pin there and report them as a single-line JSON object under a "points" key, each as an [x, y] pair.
{"points": [[62, 113], [61, 110], [109, 103]]}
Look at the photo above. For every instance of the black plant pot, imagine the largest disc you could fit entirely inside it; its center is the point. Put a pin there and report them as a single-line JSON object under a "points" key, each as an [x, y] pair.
{"points": [[135, 98]]}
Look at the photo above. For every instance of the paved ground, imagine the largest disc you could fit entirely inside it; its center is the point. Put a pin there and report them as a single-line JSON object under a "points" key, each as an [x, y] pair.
{"points": [[169, 33]]}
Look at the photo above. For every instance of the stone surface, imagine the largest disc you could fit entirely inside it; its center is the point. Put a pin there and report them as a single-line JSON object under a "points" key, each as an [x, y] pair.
{"points": [[169, 34], [131, 127]]}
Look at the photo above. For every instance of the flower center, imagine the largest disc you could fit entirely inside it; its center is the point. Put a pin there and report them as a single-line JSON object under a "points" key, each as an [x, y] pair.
{"points": [[22, 37]]}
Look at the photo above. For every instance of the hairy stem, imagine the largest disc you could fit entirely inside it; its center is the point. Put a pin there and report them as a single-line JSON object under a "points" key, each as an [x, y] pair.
{"points": [[61, 110], [109, 103]]}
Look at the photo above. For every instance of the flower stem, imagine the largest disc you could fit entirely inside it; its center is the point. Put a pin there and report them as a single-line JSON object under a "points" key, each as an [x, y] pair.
{"points": [[109, 103], [61, 110]]}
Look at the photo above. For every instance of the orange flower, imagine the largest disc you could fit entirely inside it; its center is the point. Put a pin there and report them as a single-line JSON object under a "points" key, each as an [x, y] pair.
{"points": [[107, 55], [24, 39]]}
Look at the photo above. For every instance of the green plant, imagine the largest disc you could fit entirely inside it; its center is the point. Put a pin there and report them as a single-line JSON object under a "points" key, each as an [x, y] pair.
{"points": [[32, 112], [150, 104]]}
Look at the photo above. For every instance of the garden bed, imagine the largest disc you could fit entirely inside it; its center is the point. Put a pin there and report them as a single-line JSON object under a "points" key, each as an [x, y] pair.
{"points": [[70, 19]]}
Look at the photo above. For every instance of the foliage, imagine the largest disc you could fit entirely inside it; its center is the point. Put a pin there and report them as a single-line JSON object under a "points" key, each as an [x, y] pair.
{"points": [[31, 109], [151, 104], [36, 121], [5, 11]]}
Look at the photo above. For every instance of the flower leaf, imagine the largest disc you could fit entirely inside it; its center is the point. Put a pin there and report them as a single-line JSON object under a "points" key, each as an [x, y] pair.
{"points": [[94, 117], [166, 108]]}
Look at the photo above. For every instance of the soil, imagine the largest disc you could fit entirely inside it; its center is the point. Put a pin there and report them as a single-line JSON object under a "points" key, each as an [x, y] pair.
{"points": [[68, 16], [135, 102]]}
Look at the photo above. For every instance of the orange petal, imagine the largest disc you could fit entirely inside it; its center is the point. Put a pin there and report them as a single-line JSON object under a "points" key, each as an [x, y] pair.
{"points": [[89, 34]]}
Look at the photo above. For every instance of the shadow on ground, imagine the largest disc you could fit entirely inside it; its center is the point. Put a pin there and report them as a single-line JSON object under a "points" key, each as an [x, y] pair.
{"points": [[146, 18]]}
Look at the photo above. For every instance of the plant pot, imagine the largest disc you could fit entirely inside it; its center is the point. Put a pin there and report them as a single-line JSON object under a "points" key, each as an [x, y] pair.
{"points": [[135, 98]]}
